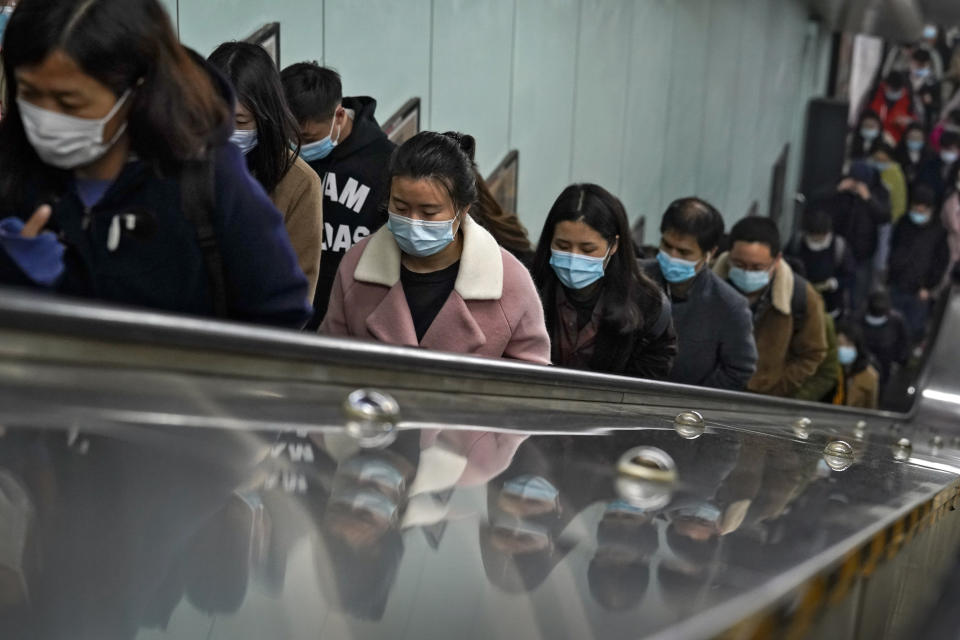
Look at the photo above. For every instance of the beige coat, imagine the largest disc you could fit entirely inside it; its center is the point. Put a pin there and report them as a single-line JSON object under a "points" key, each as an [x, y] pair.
{"points": [[787, 358], [299, 197]]}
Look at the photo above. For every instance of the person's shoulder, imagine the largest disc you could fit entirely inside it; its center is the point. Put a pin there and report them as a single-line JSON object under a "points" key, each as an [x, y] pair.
{"points": [[300, 176], [516, 276], [348, 265]]}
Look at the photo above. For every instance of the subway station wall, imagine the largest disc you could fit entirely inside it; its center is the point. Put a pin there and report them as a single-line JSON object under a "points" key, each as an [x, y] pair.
{"points": [[653, 99]]}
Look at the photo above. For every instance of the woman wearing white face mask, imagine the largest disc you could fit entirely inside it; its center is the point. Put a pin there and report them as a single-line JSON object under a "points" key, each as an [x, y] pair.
{"points": [[264, 131], [117, 180], [433, 277], [603, 313]]}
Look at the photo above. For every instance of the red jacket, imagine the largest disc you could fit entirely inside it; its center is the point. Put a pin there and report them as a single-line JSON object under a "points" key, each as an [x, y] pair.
{"points": [[891, 115]]}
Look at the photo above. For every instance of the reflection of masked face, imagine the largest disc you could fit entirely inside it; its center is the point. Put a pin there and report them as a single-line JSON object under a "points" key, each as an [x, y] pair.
{"points": [[529, 496], [385, 477], [365, 502], [625, 540], [525, 509]]}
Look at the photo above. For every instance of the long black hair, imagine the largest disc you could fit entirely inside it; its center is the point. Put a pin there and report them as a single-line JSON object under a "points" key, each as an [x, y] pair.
{"points": [[256, 81], [628, 294], [444, 157], [175, 110], [855, 334]]}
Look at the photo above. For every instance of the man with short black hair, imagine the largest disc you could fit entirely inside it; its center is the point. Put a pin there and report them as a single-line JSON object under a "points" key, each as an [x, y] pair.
{"points": [[713, 323], [893, 102], [926, 87], [827, 259], [788, 314], [343, 143], [918, 260]]}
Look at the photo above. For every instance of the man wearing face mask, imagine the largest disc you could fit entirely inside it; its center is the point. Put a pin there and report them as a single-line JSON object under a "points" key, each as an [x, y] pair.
{"points": [[343, 143], [788, 314], [893, 102], [711, 354], [859, 206], [926, 87], [937, 171], [918, 261], [886, 336], [827, 259]]}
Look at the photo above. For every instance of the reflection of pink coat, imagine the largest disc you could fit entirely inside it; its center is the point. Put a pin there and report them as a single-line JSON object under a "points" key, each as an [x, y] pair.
{"points": [[488, 453], [493, 311], [951, 221]]}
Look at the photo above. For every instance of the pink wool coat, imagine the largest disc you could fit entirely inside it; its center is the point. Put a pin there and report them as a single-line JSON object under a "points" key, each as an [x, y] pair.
{"points": [[493, 311]]}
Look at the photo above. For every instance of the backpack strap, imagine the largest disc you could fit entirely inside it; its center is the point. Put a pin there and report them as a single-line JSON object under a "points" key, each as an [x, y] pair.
{"points": [[197, 200], [663, 319], [839, 248], [798, 303]]}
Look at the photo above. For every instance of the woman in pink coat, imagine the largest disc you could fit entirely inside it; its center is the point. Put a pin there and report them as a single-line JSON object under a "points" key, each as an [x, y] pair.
{"points": [[432, 277], [951, 216]]}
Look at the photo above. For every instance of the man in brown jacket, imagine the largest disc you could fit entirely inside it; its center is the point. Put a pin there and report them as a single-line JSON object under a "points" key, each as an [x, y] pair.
{"points": [[787, 311]]}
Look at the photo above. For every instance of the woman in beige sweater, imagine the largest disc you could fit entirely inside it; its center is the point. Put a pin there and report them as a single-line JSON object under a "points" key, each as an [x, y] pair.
{"points": [[264, 131]]}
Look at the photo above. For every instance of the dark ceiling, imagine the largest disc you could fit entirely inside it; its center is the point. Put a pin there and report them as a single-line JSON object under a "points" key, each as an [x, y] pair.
{"points": [[890, 19]]}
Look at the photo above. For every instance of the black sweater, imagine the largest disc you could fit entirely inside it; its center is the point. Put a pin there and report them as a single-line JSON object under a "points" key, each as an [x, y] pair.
{"points": [[919, 255]]}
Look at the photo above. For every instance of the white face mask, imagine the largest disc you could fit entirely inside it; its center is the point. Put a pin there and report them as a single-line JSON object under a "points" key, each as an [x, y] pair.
{"points": [[68, 142], [818, 245]]}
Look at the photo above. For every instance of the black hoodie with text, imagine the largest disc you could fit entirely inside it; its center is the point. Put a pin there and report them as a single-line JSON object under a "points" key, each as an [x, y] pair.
{"points": [[355, 188]]}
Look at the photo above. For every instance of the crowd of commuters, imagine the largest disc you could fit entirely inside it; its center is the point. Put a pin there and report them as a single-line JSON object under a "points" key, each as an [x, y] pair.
{"points": [[135, 172]]}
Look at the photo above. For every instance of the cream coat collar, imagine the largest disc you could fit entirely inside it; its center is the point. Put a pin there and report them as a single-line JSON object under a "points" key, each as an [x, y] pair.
{"points": [[481, 265]]}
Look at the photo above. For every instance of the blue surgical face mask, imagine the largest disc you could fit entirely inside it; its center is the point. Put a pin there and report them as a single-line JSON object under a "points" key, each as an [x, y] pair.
{"points": [[929, 32], [869, 134], [949, 157], [919, 218], [245, 139], [915, 145], [532, 488], [676, 270], [922, 72], [421, 238], [623, 508], [321, 148], [847, 355], [875, 321], [880, 166], [894, 96], [363, 499], [749, 281], [577, 271]]}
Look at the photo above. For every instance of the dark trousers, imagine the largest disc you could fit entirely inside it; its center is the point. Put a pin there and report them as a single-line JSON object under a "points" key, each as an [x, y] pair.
{"points": [[915, 312]]}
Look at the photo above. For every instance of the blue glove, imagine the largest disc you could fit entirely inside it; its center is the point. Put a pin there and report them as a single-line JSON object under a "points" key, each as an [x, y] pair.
{"points": [[40, 258]]}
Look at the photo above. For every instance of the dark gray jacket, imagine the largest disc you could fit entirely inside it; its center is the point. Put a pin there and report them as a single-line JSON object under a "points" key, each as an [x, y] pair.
{"points": [[714, 332]]}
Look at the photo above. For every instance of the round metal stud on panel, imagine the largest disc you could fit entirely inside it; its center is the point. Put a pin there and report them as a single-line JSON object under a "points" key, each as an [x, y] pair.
{"points": [[902, 450], [646, 494], [838, 455], [648, 463], [371, 417], [690, 425], [801, 428]]}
